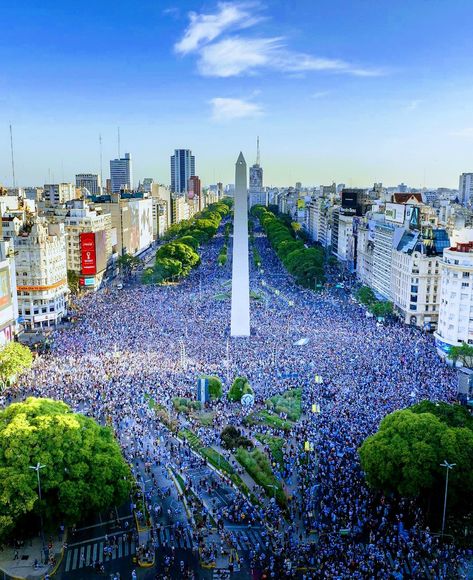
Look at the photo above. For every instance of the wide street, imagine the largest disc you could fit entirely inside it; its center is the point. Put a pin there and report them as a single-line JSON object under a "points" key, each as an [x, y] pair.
{"points": [[133, 350]]}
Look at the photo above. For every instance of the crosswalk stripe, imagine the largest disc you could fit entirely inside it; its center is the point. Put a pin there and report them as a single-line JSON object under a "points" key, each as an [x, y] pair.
{"points": [[127, 548], [81, 558], [101, 552], [94, 552], [68, 560], [87, 557], [133, 548], [120, 549], [114, 553]]}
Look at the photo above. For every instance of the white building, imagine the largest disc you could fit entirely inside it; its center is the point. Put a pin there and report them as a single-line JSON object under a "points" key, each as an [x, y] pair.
{"points": [[89, 181], [58, 193], [8, 296], [455, 324], [121, 174], [416, 276], [382, 259], [465, 188], [89, 243], [41, 273], [365, 250]]}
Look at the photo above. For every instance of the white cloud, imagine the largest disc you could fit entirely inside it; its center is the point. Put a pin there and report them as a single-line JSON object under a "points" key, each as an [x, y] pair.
{"points": [[413, 105], [466, 132], [227, 109], [236, 55], [204, 28], [320, 94]]}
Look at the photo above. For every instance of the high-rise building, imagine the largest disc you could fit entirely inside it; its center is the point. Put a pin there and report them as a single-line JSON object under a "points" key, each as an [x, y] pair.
{"points": [[89, 181], [182, 169], [465, 188], [8, 294], [121, 174], [257, 194]]}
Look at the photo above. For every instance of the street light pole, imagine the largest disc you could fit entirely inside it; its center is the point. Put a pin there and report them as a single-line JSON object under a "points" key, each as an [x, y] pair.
{"points": [[37, 468], [448, 466]]}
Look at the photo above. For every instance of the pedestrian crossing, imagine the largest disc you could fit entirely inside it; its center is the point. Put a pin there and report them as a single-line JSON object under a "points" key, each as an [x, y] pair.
{"points": [[82, 556], [247, 539], [166, 537]]}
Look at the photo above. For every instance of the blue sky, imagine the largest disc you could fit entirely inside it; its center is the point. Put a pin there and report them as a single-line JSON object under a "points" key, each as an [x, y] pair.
{"points": [[352, 91]]}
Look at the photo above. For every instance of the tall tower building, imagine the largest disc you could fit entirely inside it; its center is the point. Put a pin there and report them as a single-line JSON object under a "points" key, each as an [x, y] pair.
{"points": [[465, 188], [89, 181], [256, 192], [121, 173], [240, 318], [182, 169]]}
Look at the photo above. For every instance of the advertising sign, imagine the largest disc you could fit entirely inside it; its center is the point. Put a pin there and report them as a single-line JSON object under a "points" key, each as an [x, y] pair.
{"points": [[101, 250], [88, 257], [5, 294], [395, 212]]}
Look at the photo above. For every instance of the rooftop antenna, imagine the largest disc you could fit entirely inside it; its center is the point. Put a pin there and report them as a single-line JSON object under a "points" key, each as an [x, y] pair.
{"points": [[258, 159], [101, 173], [12, 158], [118, 136]]}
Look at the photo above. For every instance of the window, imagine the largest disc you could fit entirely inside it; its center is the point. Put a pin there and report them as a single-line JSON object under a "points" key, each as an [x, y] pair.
{"points": [[414, 288], [466, 274], [413, 307], [465, 284]]}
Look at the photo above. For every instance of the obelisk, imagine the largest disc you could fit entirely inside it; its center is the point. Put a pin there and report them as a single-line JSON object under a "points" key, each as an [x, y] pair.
{"points": [[240, 322]]}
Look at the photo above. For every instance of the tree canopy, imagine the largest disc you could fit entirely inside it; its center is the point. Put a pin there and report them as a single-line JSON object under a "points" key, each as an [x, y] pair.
{"points": [[84, 469], [463, 354], [404, 456], [15, 358], [305, 264]]}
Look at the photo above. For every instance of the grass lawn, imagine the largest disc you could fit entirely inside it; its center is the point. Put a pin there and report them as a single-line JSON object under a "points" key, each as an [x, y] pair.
{"points": [[276, 445], [288, 403]]}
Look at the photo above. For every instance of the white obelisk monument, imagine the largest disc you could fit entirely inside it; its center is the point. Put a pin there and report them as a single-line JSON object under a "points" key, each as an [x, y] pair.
{"points": [[240, 325]]}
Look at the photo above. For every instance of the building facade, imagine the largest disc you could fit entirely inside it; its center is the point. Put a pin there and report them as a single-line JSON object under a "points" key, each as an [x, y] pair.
{"points": [[8, 293], [121, 174], [58, 193], [182, 169], [89, 181], [465, 188], [41, 273], [455, 324]]}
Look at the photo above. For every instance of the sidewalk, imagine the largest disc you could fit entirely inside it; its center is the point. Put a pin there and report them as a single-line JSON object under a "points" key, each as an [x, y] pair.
{"points": [[23, 566]]}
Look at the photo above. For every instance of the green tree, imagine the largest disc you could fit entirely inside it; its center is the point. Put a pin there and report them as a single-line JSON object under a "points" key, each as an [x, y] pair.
{"points": [[15, 358], [190, 241], [404, 456], [463, 353], [84, 469], [365, 295], [167, 269], [73, 281], [183, 253], [239, 388], [128, 264], [381, 309]]}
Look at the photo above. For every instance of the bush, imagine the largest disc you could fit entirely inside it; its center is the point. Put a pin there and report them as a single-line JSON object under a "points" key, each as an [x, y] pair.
{"points": [[239, 388], [258, 466], [232, 438], [276, 445], [184, 405]]}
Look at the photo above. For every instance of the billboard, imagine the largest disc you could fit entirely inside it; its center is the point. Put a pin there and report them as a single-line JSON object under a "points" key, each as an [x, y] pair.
{"points": [[101, 250], [395, 213], [88, 254], [5, 293]]}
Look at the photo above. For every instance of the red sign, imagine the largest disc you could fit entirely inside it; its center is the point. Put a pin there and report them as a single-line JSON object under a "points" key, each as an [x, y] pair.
{"points": [[88, 258]]}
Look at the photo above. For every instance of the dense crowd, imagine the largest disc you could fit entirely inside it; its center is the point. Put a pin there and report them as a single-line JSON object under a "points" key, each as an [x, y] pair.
{"points": [[127, 346]]}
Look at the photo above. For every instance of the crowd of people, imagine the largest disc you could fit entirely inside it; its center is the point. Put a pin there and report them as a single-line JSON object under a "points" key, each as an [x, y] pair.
{"points": [[127, 347]]}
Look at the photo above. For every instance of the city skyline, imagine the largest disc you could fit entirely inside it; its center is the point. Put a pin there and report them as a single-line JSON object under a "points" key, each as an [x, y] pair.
{"points": [[355, 93]]}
